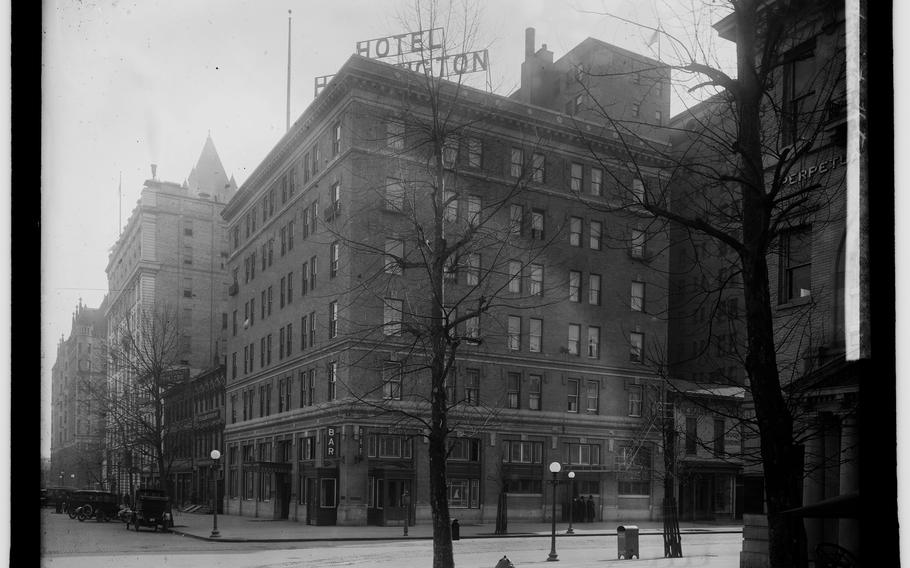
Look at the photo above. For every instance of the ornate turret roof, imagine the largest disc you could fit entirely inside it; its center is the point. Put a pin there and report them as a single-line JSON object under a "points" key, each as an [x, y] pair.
{"points": [[208, 176]]}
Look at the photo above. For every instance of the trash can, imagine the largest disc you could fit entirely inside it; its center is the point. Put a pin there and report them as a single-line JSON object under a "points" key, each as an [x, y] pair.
{"points": [[627, 541], [456, 530]]}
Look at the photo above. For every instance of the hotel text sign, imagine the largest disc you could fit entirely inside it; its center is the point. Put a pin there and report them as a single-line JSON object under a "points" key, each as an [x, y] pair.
{"points": [[421, 51], [401, 44]]}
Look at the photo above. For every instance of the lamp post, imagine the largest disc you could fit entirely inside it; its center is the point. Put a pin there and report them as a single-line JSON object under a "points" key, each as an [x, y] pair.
{"points": [[555, 467], [215, 455], [571, 502]]}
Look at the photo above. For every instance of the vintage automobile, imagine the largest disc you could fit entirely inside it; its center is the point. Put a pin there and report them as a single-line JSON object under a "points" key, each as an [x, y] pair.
{"points": [[152, 508], [91, 503]]}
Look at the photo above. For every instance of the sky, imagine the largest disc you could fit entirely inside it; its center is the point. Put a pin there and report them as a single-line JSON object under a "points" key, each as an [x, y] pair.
{"points": [[127, 84]]}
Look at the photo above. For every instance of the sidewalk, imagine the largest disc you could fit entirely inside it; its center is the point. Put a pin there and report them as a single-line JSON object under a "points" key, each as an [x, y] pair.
{"points": [[234, 528]]}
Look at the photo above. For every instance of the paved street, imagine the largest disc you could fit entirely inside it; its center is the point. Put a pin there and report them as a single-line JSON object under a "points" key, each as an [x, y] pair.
{"points": [[67, 543]]}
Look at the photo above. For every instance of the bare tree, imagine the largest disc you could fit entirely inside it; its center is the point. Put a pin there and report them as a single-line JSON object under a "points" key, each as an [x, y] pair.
{"points": [[738, 178], [144, 365], [439, 255]]}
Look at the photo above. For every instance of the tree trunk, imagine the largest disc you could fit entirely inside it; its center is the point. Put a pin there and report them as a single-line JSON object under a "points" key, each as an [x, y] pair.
{"points": [[781, 461]]}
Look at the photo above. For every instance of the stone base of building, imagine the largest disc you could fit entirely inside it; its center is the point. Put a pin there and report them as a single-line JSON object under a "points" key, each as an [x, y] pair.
{"points": [[755, 542]]}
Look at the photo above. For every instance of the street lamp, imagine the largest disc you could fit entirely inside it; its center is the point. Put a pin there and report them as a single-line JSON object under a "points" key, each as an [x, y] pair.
{"points": [[571, 502], [215, 455], [555, 467]]}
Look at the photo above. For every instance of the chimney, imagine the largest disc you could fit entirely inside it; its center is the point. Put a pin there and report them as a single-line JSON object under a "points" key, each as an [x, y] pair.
{"points": [[529, 42], [154, 169]]}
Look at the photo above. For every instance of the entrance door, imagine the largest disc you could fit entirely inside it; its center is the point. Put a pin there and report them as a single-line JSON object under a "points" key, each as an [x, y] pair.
{"points": [[398, 500], [282, 496], [312, 501]]}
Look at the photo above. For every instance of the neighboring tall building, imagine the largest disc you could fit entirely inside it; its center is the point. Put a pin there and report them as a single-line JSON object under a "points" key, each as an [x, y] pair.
{"points": [[77, 421], [316, 353], [194, 413], [169, 260], [818, 269]]}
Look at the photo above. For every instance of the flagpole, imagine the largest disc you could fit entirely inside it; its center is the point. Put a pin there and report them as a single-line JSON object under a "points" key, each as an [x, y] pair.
{"points": [[288, 115]]}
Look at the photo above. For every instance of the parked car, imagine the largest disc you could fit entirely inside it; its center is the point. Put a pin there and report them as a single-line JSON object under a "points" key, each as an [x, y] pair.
{"points": [[152, 509], [91, 503]]}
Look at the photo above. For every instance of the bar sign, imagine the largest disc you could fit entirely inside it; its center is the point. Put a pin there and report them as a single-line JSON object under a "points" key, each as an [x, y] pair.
{"points": [[331, 442]]}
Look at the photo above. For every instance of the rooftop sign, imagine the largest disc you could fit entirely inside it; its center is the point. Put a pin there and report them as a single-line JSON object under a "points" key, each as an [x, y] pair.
{"points": [[421, 51]]}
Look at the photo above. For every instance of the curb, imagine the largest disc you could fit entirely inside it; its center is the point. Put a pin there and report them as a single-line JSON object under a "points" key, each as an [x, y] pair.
{"points": [[395, 539]]}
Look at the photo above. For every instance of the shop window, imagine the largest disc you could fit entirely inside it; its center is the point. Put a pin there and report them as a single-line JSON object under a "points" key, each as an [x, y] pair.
{"points": [[327, 496]]}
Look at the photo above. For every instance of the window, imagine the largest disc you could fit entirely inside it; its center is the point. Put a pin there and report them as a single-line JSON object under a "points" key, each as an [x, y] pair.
{"points": [[535, 280], [465, 449], [269, 310], [280, 345], [635, 109], [392, 316], [638, 243], [450, 204], [798, 73], [312, 273], [597, 176], [391, 381], [472, 387], [593, 342], [658, 117], [594, 236], [594, 289], [290, 287], [795, 264], [333, 319], [473, 209], [472, 327], [591, 396], [385, 446], [691, 435], [535, 335], [638, 190], [516, 216], [394, 195], [312, 328], [288, 334], [638, 296], [574, 286], [394, 250], [719, 437], [513, 390], [537, 225], [534, 392], [335, 205], [281, 288], [637, 343], [315, 162], [472, 274], [575, 231], [583, 454], [514, 333], [635, 400], [291, 235], [475, 152], [326, 493], [333, 260], [336, 138], [539, 165], [464, 493], [332, 380], [577, 177], [572, 394], [524, 452], [515, 163], [395, 134], [187, 287], [515, 276], [574, 338], [271, 251], [234, 365], [304, 278]]}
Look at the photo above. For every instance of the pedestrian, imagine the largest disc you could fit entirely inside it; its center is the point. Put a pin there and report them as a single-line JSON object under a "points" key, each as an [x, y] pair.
{"points": [[590, 510]]}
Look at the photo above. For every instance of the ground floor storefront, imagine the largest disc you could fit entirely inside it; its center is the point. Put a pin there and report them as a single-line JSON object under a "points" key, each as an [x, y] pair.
{"points": [[371, 474]]}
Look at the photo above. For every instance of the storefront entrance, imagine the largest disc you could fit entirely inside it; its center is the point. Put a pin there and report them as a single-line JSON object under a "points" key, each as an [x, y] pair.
{"points": [[390, 501]]}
